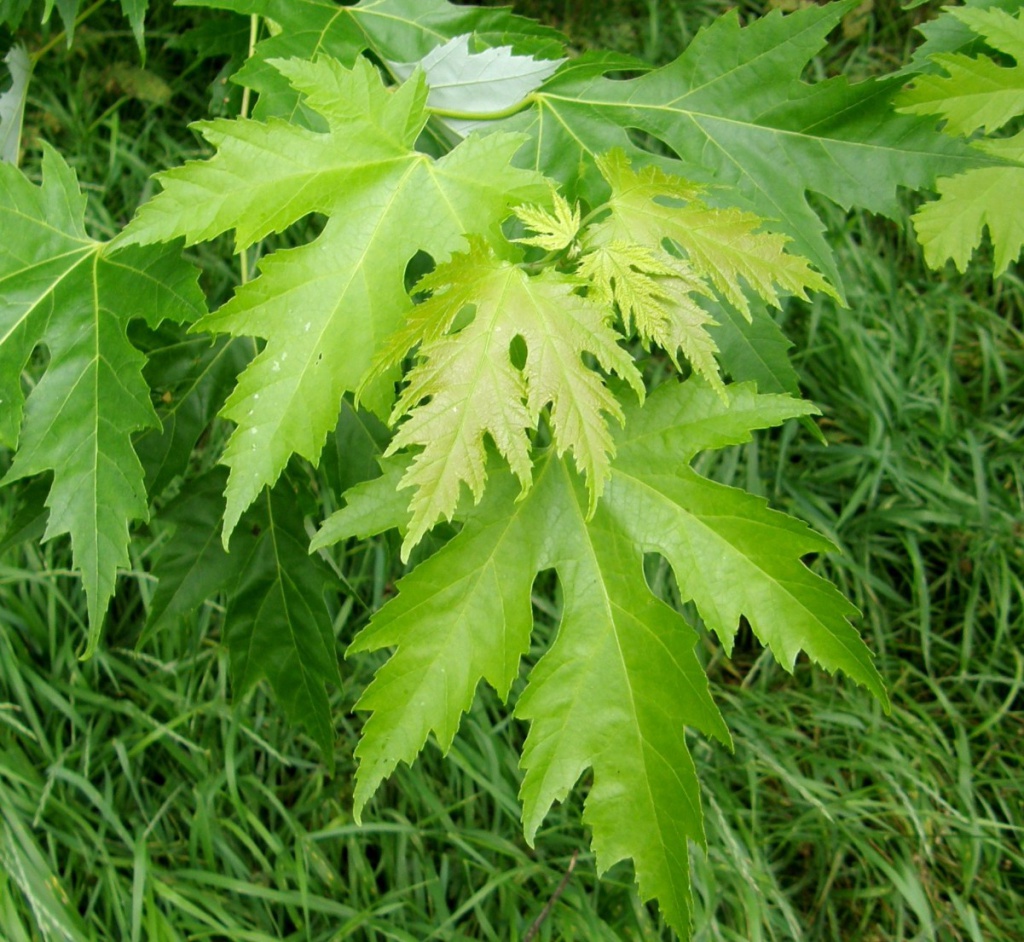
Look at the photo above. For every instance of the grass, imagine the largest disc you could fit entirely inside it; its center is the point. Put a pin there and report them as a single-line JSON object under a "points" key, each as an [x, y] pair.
{"points": [[138, 802]]}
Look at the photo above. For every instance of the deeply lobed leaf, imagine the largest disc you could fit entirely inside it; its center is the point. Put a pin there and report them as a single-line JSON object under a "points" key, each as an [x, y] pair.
{"points": [[467, 385], [735, 111], [463, 615], [326, 307], [276, 622], [61, 289]]}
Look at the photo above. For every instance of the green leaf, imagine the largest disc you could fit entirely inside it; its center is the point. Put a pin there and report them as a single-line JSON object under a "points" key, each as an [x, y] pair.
{"points": [[76, 296], [190, 378], [135, 11], [28, 521], [620, 683], [736, 111], [730, 554], [467, 386], [754, 349], [12, 104], [325, 307], [68, 10], [13, 11], [371, 507], [276, 622], [615, 693]]}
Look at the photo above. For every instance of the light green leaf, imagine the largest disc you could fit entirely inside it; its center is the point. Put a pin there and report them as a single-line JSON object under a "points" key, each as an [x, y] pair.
{"points": [[325, 307], [554, 230], [722, 245], [466, 384], [371, 507], [77, 296], [620, 684], [975, 93], [615, 693], [462, 615], [951, 227]]}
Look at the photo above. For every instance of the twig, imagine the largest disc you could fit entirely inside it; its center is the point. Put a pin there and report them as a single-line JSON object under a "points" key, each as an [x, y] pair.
{"points": [[546, 911]]}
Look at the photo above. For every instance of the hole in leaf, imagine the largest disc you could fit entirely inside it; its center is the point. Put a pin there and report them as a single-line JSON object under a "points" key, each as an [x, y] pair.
{"points": [[517, 352], [650, 143], [419, 265], [463, 319]]}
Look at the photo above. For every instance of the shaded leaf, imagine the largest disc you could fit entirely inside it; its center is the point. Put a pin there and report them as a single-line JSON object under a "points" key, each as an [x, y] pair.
{"points": [[276, 622], [395, 30], [12, 104]]}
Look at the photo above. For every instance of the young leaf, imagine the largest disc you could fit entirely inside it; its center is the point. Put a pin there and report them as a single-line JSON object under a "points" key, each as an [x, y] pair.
{"points": [[721, 245], [736, 111], [466, 384], [326, 306], [276, 622], [653, 291], [60, 288], [553, 230], [951, 226], [591, 699]]}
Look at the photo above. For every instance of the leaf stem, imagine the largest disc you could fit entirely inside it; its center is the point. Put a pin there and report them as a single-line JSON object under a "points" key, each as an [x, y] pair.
{"points": [[546, 911], [485, 115], [81, 18], [254, 25]]}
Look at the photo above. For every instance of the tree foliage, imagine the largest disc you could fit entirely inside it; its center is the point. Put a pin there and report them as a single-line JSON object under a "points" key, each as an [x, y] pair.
{"points": [[587, 316]]}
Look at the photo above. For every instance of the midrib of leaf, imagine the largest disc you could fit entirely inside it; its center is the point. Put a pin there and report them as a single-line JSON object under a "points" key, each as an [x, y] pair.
{"points": [[610, 606], [312, 690], [545, 99]]}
